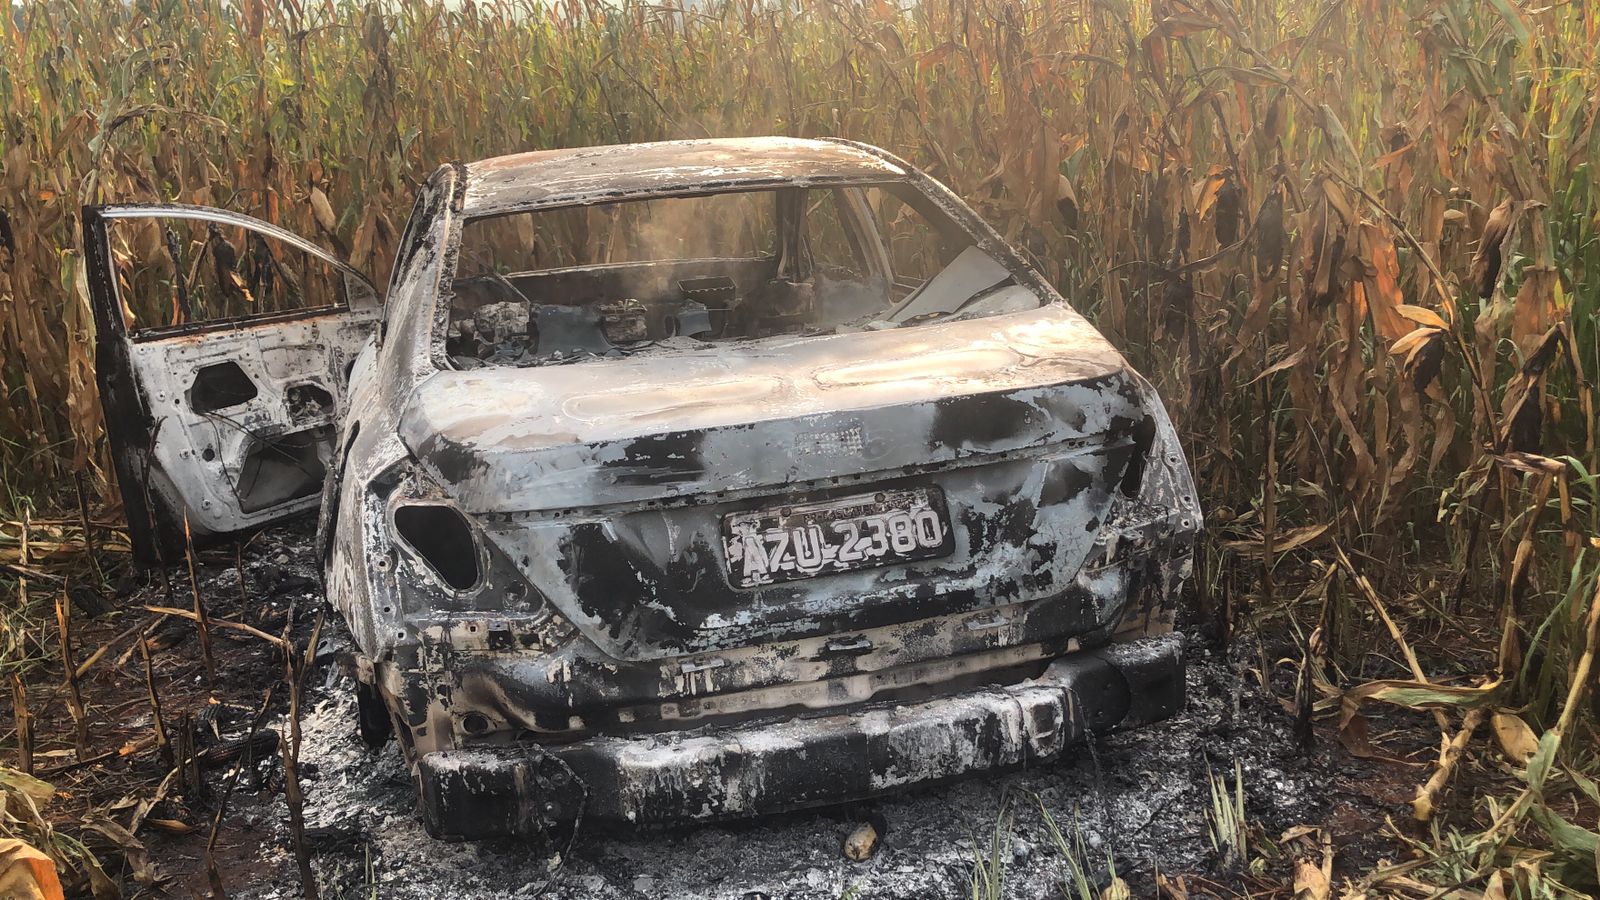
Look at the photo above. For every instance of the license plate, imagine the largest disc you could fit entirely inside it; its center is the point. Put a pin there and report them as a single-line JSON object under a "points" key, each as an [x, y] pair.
{"points": [[766, 546]]}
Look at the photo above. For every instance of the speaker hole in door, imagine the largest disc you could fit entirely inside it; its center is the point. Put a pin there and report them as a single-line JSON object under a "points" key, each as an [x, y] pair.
{"points": [[308, 401], [282, 469], [220, 386]]}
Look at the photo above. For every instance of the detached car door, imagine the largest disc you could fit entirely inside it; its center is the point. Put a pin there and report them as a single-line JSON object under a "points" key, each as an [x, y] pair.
{"points": [[222, 352]]}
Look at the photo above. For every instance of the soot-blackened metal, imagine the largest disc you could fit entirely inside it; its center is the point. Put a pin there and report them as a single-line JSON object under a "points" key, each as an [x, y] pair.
{"points": [[603, 631]]}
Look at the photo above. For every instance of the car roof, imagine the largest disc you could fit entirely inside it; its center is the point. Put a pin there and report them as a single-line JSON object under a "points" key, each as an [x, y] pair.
{"points": [[551, 178]]}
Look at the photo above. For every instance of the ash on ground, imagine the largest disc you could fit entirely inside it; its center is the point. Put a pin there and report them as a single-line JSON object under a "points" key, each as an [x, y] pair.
{"points": [[1139, 797]]}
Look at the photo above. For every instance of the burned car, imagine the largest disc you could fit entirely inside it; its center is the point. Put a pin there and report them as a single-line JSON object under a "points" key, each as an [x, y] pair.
{"points": [[687, 480]]}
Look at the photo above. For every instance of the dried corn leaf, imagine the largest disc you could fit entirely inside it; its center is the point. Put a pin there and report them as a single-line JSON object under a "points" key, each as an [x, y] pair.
{"points": [[322, 210], [1383, 294], [1422, 316], [1293, 539], [1421, 695], [1517, 741], [1492, 247], [1309, 882], [1534, 311], [26, 873]]}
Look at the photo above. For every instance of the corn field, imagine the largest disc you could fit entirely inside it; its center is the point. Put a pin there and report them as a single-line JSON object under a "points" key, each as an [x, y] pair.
{"points": [[1354, 242]]}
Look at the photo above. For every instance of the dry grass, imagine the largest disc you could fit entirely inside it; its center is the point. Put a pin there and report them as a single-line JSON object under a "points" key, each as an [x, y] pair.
{"points": [[1352, 240]]}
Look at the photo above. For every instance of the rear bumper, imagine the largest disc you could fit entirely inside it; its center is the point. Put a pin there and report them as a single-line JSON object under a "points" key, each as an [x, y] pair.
{"points": [[763, 768]]}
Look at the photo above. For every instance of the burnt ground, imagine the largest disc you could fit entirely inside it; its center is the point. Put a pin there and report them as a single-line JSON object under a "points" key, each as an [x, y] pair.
{"points": [[1140, 798]]}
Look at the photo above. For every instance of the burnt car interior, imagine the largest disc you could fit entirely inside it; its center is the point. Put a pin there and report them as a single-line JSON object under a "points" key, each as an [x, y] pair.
{"points": [[566, 284]]}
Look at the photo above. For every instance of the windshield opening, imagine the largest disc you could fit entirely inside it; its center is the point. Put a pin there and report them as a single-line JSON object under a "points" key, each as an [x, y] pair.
{"points": [[605, 280]]}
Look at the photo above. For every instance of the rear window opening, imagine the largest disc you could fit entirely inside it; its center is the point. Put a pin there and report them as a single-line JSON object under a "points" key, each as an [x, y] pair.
{"points": [[609, 280], [441, 537]]}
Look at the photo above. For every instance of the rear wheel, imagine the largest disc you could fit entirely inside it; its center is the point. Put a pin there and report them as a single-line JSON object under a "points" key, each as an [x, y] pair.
{"points": [[372, 716]]}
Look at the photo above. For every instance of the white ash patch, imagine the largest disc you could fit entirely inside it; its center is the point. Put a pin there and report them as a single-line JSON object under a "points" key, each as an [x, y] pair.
{"points": [[1141, 795]]}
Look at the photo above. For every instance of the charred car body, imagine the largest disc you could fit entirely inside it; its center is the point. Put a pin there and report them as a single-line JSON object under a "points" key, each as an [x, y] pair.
{"points": [[675, 481]]}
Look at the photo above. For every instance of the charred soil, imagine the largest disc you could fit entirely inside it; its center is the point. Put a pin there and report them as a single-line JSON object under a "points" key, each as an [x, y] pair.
{"points": [[1140, 800]]}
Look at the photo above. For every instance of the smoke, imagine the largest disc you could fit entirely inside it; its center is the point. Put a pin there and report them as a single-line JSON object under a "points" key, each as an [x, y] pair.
{"points": [[631, 248], [729, 225]]}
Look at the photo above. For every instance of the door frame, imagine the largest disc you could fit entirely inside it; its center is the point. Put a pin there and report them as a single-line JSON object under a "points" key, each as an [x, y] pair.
{"points": [[128, 421]]}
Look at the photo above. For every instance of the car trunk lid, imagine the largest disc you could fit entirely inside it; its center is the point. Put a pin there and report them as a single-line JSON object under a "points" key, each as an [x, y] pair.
{"points": [[716, 419], [608, 482]]}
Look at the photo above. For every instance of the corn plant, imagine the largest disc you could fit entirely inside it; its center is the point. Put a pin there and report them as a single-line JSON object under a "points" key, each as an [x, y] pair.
{"points": [[1225, 819], [991, 859], [1352, 241]]}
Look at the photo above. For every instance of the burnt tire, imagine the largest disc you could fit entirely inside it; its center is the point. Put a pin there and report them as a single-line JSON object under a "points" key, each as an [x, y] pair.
{"points": [[372, 716]]}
